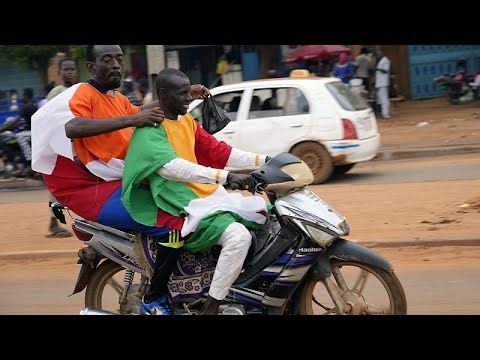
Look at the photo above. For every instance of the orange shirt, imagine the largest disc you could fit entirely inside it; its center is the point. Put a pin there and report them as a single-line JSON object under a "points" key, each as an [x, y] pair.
{"points": [[88, 102]]}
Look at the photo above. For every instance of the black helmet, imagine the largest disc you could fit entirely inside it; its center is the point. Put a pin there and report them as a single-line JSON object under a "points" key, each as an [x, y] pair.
{"points": [[283, 173]]}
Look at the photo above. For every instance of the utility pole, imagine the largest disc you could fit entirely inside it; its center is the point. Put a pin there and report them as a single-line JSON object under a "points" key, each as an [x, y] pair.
{"points": [[155, 63]]}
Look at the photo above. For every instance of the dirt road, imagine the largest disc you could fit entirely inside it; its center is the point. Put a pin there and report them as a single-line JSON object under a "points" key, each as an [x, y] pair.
{"points": [[436, 281], [412, 212], [383, 216], [441, 124]]}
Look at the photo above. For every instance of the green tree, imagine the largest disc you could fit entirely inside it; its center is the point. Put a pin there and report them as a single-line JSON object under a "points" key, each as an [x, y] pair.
{"points": [[38, 57], [33, 57]]}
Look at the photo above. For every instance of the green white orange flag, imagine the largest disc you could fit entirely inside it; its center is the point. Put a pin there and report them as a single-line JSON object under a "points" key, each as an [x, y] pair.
{"points": [[208, 208]]}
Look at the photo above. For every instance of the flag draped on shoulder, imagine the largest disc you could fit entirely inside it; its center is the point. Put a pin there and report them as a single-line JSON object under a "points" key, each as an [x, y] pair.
{"points": [[103, 155], [84, 173], [48, 132], [208, 208]]}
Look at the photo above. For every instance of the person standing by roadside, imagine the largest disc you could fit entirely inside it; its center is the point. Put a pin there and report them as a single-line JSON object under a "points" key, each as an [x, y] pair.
{"points": [[67, 69], [382, 83], [343, 69], [363, 65]]}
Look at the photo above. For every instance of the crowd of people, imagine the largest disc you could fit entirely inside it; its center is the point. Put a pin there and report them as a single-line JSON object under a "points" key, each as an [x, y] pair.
{"points": [[373, 68]]}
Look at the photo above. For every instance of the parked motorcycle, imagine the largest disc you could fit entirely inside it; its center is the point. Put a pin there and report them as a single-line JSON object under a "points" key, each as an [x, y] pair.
{"points": [[457, 88], [298, 263]]}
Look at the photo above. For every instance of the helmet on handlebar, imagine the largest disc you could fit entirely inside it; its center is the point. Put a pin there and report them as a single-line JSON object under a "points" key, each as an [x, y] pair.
{"points": [[283, 173]]}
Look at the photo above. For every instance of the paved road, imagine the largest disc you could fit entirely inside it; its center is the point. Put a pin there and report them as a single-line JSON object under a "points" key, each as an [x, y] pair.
{"points": [[458, 167]]}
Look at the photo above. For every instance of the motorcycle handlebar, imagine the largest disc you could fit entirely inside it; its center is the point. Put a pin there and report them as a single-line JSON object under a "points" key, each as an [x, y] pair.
{"points": [[259, 187]]}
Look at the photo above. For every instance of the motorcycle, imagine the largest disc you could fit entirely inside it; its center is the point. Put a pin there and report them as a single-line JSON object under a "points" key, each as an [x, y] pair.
{"points": [[457, 88], [298, 263], [11, 155]]}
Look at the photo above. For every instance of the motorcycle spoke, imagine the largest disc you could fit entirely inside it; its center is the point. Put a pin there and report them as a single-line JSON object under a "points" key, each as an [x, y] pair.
{"points": [[361, 281], [337, 274], [329, 310]]}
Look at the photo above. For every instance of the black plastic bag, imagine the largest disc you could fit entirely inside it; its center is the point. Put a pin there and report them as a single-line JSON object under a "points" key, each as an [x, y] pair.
{"points": [[214, 118]]}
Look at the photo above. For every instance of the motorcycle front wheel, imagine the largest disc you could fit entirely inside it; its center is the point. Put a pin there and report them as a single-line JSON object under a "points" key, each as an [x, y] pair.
{"points": [[365, 290], [106, 286]]}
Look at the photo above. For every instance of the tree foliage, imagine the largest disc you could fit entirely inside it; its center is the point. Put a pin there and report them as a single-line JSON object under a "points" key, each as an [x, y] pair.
{"points": [[38, 56], [30, 56]]}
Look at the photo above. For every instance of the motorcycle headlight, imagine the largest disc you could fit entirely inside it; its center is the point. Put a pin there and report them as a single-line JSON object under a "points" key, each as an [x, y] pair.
{"points": [[344, 227], [321, 235]]}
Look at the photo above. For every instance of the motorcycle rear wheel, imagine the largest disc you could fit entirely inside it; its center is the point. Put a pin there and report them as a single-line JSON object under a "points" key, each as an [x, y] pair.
{"points": [[366, 289], [106, 286]]}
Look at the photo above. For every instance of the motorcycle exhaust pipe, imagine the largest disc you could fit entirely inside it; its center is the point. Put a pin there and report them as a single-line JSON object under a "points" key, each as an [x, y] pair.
{"points": [[91, 311]]}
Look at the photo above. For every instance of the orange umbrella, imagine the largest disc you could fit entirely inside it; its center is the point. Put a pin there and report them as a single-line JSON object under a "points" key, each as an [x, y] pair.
{"points": [[316, 52]]}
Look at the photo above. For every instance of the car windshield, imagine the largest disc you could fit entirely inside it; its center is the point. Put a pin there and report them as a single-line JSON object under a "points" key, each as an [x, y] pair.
{"points": [[346, 98]]}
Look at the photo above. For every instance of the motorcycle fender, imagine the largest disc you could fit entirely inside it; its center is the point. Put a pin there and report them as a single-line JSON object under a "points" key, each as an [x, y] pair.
{"points": [[84, 275], [348, 250]]}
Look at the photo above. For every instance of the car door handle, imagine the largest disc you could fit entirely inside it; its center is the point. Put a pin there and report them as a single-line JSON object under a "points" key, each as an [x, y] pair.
{"points": [[228, 132], [296, 125]]}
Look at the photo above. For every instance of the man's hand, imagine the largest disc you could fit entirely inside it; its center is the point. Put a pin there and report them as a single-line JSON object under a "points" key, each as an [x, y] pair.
{"points": [[148, 117], [199, 92], [241, 182]]}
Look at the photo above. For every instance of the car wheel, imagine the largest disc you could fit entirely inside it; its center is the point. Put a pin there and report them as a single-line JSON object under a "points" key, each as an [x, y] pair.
{"points": [[317, 158]]}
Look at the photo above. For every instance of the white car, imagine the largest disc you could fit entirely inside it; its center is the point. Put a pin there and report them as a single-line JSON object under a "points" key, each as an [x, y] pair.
{"points": [[317, 119]]}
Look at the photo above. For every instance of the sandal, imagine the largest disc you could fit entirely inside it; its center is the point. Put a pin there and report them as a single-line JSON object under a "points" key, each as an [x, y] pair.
{"points": [[60, 233]]}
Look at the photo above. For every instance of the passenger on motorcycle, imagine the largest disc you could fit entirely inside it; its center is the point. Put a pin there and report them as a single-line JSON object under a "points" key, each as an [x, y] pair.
{"points": [[179, 168], [81, 137]]}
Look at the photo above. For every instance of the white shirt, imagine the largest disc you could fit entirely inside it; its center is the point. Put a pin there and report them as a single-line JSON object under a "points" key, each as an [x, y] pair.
{"points": [[363, 63], [382, 79], [183, 170]]}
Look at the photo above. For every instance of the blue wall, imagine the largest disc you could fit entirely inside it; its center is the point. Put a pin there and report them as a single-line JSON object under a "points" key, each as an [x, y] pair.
{"points": [[427, 62], [251, 67], [15, 77]]}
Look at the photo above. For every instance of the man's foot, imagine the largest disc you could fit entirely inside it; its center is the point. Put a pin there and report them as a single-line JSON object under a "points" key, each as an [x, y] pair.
{"points": [[157, 307], [58, 232], [211, 306], [55, 230]]}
